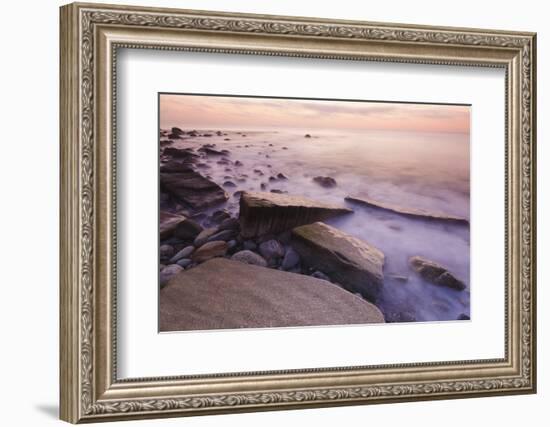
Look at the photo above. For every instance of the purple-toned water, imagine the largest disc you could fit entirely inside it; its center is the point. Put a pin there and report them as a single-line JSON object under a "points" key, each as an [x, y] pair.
{"points": [[414, 170]]}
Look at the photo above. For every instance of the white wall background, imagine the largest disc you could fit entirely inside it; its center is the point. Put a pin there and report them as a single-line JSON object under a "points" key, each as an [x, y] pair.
{"points": [[29, 170]]}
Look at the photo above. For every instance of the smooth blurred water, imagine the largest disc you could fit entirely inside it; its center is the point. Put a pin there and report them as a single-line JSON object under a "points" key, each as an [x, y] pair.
{"points": [[414, 170]]}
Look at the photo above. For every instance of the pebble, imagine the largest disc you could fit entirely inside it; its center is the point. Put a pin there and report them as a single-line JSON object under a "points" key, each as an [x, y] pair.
{"points": [[204, 235], [166, 251], [291, 259], [184, 262], [249, 257], [271, 249], [184, 253]]}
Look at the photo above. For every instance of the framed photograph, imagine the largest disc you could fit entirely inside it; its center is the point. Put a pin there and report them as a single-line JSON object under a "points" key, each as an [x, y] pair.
{"points": [[267, 212]]}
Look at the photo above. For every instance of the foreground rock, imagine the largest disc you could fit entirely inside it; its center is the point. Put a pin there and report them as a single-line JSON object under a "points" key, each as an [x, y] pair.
{"points": [[192, 188], [354, 264], [264, 213], [435, 273], [409, 212], [226, 294]]}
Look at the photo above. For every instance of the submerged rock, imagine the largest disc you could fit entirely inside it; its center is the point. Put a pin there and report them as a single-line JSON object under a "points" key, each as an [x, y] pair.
{"points": [[227, 294], [435, 273], [249, 257], [325, 181], [193, 189], [347, 260], [262, 213], [408, 212]]}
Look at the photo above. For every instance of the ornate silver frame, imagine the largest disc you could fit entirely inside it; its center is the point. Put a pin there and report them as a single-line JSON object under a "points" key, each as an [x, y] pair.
{"points": [[90, 36]]}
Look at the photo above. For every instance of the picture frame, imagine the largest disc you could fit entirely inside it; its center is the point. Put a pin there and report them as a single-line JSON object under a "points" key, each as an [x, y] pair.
{"points": [[91, 36]]}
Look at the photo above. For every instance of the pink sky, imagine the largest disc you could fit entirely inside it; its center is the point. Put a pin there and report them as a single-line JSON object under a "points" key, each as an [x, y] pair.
{"points": [[215, 112]]}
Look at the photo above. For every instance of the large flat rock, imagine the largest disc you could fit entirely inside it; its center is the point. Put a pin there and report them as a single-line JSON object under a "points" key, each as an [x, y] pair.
{"points": [[226, 294], [270, 213], [193, 189], [408, 212], [353, 263]]}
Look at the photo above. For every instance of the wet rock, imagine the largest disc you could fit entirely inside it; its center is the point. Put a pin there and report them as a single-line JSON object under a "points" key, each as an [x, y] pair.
{"points": [[227, 294], [219, 133], [229, 184], [229, 224], [249, 257], [187, 230], [203, 166], [232, 244], [179, 153], [277, 191], [285, 148], [168, 223], [224, 235], [210, 151], [193, 189], [263, 185], [216, 248], [291, 259], [204, 235], [408, 212], [258, 172], [307, 135], [325, 181], [281, 176], [435, 273], [168, 272], [219, 216], [463, 316], [271, 249], [238, 163], [177, 131], [399, 278], [262, 213], [237, 194], [347, 260], [184, 253], [166, 251], [272, 179], [184, 262], [227, 139]]}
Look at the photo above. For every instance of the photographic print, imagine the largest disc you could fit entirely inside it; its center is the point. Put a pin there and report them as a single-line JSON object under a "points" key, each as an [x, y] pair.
{"points": [[288, 212]]}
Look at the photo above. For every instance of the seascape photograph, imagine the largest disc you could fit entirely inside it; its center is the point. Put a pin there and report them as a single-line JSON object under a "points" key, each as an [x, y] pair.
{"points": [[288, 212]]}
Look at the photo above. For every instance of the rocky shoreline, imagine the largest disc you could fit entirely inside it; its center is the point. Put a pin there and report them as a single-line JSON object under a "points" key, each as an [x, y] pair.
{"points": [[272, 231]]}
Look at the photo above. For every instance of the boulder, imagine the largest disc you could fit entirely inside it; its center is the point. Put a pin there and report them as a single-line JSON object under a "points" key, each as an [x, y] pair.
{"points": [[262, 212], [353, 263], [193, 189], [209, 250], [408, 212], [249, 257], [435, 273], [227, 294], [187, 230]]}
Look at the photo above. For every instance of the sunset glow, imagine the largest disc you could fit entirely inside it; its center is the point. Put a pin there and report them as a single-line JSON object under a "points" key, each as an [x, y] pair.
{"points": [[206, 112]]}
